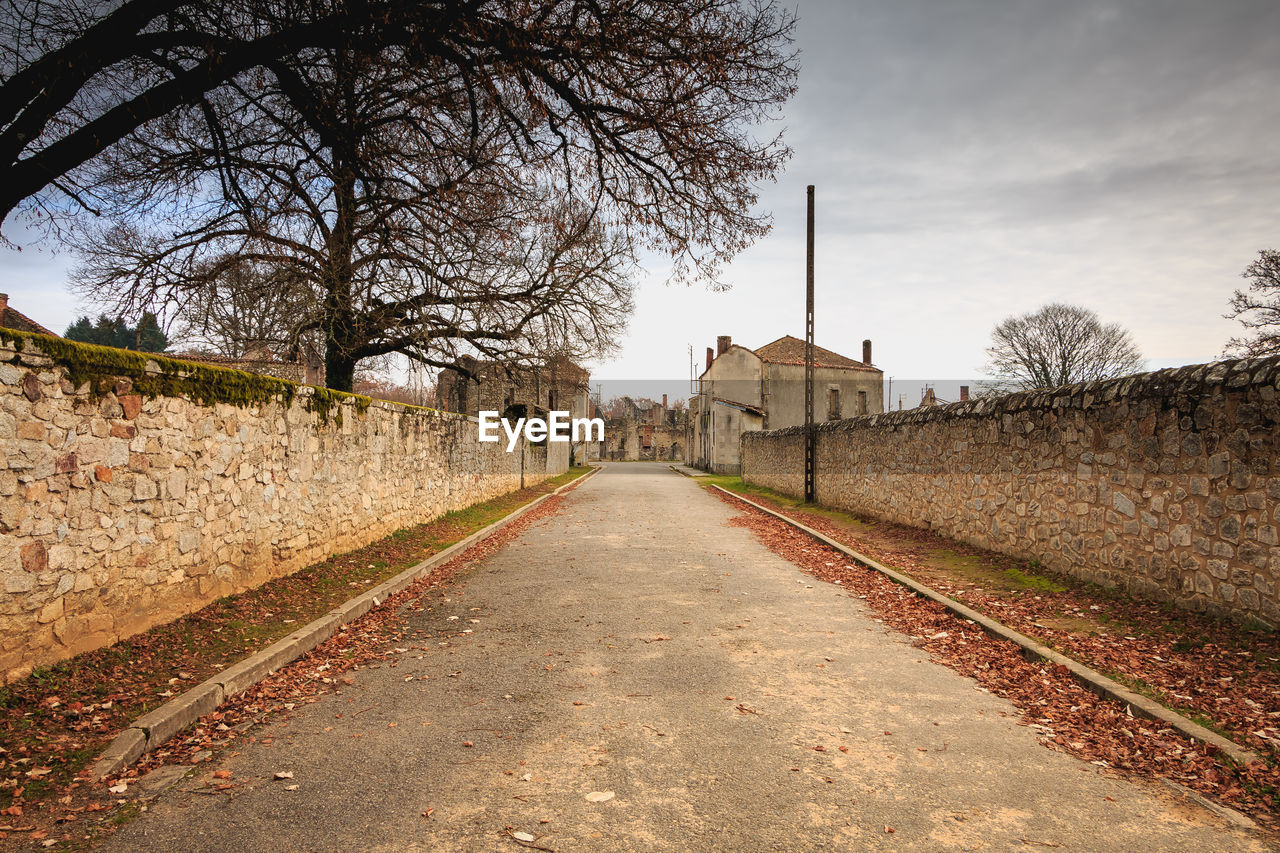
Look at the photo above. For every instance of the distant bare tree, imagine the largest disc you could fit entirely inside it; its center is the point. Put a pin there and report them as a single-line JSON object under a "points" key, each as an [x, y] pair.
{"points": [[1058, 345], [235, 306], [1258, 308]]}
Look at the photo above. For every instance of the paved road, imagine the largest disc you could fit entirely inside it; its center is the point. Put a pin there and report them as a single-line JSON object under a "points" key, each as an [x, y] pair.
{"points": [[634, 643]]}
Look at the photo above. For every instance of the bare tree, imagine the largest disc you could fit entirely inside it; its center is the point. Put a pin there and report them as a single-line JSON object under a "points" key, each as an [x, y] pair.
{"points": [[234, 306], [1258, 308], [1058, 345], [487, 199]]}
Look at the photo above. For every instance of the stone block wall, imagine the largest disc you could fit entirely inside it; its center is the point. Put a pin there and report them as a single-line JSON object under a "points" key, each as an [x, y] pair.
{"points": [[1165, 484], [120, 511]]}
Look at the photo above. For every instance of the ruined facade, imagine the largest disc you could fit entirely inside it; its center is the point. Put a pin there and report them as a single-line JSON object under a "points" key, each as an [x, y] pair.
{"points": [[644, 430], [745, 390], [559, 385]]}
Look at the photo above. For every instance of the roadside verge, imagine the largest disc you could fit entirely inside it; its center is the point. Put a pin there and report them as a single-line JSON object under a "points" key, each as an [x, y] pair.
{"points": [[154, 728], [1030, 648]]}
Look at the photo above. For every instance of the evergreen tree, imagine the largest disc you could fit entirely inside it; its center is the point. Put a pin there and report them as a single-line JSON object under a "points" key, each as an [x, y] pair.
{"points": [[108, 332]]}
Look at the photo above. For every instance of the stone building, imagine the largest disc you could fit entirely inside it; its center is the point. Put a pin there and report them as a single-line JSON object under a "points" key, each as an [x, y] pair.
{"points": [[644, 430], [743, 390], [11, 318], [559, 384]]}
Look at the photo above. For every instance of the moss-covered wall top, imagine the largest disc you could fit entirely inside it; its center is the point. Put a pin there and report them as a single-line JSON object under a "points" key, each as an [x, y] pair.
{"points": [[99, 370]]}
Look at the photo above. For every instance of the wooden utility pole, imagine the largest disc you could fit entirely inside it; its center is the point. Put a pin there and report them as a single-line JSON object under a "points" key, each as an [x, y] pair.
{"points": [[810, 437]]}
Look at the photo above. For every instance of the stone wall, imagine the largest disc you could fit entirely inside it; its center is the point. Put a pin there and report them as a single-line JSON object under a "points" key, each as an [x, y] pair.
{"points": [[120, 511], [1166, 484]]}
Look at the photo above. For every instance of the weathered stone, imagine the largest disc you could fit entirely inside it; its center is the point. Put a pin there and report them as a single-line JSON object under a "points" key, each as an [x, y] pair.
{"points": [[188, 540], [1123, 504], [35, 557], [133, 536], [130, 405], [51, 611], [1219, 465], [31, 388], [66, 463], [30, 431]]}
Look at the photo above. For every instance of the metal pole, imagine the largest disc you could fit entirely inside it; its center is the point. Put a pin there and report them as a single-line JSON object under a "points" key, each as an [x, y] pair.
{"points": [[810, 437]]}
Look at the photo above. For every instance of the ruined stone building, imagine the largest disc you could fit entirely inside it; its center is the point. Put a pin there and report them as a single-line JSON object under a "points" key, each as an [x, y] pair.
{"points": [[644, 430], [558, 385], [743, 390]]}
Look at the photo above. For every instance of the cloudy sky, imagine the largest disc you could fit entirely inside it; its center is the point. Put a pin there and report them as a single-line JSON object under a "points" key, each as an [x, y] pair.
{"points": [[975, 159]]}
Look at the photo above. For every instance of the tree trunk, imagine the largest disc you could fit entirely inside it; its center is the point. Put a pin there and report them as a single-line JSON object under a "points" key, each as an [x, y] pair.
{"points": [[339, 371], [341, 334]]}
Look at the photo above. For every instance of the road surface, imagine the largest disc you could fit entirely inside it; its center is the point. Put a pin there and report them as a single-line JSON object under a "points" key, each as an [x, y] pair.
{"points": [[634, 644]]}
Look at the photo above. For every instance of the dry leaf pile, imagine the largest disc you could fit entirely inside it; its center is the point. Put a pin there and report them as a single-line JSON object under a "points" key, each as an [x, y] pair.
{"points": [[1065, 715]]}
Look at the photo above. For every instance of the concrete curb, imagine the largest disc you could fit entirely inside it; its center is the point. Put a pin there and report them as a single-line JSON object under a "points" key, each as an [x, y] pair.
{"points": [[155, 727], [1093, 681]]}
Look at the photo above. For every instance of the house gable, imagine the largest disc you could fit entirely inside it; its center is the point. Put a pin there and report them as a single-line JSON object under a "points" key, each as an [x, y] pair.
{"points": [[790, 350]]}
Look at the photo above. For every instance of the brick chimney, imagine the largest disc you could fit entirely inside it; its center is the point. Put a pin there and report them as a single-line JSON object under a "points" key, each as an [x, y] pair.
{"points": [[723, 343], [964, 392], [711, 356], [866, 351]]}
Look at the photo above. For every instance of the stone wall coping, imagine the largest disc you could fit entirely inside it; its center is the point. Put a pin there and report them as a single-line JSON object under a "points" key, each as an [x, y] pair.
{"points": [[1190, 380], [33, 356], [154, 728]]}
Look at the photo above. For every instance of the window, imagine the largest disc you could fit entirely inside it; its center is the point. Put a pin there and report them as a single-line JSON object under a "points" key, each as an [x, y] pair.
{"points": [[862, 402], [833, 403]]}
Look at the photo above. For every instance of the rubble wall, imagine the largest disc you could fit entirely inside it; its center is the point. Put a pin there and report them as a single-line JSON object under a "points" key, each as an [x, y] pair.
{"points": [[135, 489], [1165, 484]]}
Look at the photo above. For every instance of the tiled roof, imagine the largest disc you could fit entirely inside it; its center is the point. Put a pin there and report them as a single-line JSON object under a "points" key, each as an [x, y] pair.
{"points": [[789, 350], [16, 320]]}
